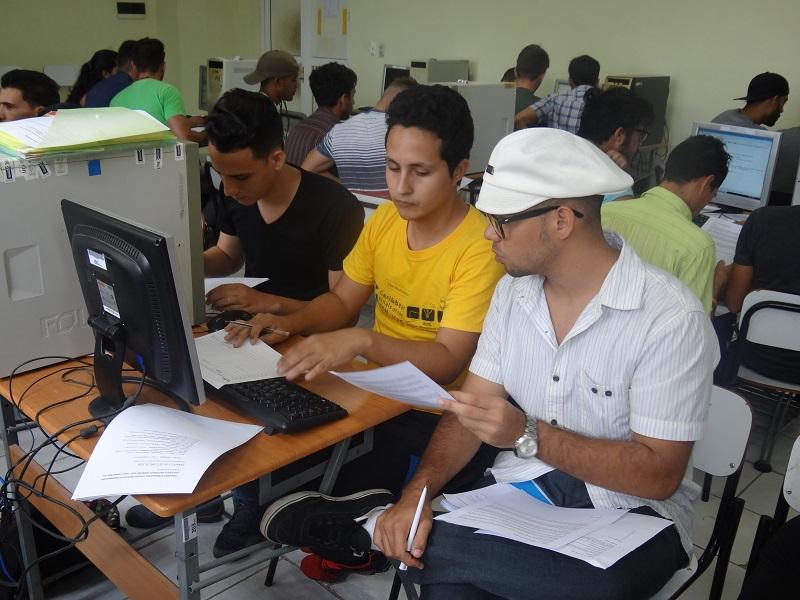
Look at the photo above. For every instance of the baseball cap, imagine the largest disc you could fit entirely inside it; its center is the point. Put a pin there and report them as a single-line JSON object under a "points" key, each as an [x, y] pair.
{"points": [[274, 63], [533, 165], [766, 85]]}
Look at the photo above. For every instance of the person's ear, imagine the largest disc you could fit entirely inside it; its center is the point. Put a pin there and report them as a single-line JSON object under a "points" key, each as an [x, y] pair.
{"points": [[277, 158], [459, 171]]}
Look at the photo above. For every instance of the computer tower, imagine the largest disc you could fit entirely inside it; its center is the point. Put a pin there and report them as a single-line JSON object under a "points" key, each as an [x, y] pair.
{"points": [[492, 108], [222, 74], [655, 89], [434, 70], [157, 184]]}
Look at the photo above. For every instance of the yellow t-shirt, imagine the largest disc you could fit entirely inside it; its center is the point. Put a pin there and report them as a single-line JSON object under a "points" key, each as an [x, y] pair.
{"points": [[448, 285]]}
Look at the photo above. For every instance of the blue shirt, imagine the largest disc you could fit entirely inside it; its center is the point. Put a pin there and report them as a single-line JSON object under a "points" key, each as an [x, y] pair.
{"points": [[104, 90], [562, 111]]}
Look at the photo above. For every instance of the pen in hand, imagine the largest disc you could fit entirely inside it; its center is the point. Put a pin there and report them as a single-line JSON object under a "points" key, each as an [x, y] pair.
{"points": [[264, 331], [415, 524]]}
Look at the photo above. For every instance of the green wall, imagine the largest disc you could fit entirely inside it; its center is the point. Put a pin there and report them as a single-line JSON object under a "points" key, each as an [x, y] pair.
{"points": [[710, 48]]}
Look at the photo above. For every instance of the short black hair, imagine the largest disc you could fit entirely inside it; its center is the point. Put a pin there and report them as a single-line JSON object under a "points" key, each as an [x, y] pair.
{"points": [[330, 82], [509, 75], [532, 62], [37, 89], [125, 54], [437, 109], [605, 111], [149, 54], [695, 157], [242, 119], [588, 206], [584, 70]]}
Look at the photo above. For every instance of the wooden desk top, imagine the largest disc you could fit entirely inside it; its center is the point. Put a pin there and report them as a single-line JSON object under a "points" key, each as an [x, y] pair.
{"points": [[261, 455]]}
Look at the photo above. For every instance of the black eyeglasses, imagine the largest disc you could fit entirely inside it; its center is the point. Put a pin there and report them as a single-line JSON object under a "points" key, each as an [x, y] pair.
{"points": [[497, 222], [643, 133]]}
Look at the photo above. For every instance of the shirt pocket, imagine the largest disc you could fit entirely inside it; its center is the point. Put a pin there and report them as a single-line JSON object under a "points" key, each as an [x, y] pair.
{"points": [[604, 408]]}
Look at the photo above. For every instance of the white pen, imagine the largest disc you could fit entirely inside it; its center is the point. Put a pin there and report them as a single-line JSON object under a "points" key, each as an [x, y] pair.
{"points": [[415, 524]]}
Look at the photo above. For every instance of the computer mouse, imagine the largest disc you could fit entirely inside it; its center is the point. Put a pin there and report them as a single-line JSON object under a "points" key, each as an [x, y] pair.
{"points": [[225, 317]]}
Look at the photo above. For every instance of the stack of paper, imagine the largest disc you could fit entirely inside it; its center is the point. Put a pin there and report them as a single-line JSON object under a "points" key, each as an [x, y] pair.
{"points": [[221, 363], [79, 129], [598, 536], [725, 234]]}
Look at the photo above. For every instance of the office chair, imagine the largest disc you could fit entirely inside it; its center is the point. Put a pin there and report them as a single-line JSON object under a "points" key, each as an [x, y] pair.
{"points": [[788, 497], [771, 319], [719, 453]]}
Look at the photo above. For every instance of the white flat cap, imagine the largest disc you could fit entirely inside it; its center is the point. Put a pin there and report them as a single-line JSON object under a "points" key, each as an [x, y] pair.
{"points": [[533, 165]]}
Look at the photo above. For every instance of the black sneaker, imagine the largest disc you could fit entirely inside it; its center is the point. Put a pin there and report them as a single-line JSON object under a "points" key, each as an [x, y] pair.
{"points": [[240, 532], [142, 517], [314, 519]]}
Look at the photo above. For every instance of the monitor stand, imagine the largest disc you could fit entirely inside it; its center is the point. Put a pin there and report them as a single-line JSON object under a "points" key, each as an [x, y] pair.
{"points": [[109, 355]]}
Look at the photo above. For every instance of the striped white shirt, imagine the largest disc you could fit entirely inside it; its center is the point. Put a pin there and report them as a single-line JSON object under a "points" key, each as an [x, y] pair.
{"points": [[639, 359], [358, 147]]}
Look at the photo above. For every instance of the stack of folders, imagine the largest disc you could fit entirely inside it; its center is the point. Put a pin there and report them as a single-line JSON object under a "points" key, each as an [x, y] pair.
{"points": [[79, 129]]}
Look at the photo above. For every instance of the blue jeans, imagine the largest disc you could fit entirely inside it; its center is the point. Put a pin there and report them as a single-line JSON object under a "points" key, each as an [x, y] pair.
{"points": [[461, 564]]}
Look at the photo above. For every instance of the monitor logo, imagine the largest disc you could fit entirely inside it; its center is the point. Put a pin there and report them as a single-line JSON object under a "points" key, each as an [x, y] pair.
{"points": [[64, 322]]}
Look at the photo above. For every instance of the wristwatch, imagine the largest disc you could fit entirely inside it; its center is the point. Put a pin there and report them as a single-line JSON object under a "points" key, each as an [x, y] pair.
{"points": [[527, 445]]}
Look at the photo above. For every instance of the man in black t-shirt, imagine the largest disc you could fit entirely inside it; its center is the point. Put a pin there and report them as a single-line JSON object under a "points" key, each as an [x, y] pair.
{"points": [[289, 225], [767, 258]]}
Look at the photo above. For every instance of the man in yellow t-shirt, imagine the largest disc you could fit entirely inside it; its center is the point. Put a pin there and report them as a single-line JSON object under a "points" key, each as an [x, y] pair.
{"points": [[433, 273]]}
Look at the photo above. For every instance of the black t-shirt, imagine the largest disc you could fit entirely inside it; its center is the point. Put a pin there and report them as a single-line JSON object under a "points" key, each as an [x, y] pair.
{"points": [[769, 243], [312, 237]]}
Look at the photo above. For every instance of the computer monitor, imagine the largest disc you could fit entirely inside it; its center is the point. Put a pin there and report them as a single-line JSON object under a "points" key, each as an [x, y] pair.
{"points": [[127, 276], [561, 86], [392, 72], [753, 154]]}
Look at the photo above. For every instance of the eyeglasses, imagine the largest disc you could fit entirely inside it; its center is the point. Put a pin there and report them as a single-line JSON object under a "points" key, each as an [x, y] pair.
{"points": [[643, 133], [497, 222]]}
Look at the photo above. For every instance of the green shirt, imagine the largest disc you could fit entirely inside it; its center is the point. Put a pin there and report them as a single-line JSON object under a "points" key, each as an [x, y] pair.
{"points": [[524, 98], [162, 100], [659, 227]]}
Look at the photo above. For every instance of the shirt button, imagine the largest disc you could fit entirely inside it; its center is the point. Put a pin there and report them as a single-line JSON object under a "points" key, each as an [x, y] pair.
{"points": [[594, 390], [553, 422], [608, 392], [555, 377]]}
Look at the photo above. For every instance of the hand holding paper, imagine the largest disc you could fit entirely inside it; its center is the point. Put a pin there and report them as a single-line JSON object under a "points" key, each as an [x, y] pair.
{"points": [[493, 419], [403, 382]]}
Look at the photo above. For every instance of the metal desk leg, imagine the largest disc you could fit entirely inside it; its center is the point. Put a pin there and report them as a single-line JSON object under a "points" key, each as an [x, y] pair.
{"points": [[335, 463], [186, 554], [33, 579]]}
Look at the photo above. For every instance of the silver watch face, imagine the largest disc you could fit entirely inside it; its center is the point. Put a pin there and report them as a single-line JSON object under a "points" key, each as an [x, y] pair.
{"points": [[525, 447]]}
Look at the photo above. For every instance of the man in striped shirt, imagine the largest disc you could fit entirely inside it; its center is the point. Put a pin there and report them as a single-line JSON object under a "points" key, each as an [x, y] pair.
{"points": [[333, 86], [609, 362], [563, 111], [357, 147]]}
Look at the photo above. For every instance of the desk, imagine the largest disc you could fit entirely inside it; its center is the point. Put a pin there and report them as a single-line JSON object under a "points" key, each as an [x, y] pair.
{"points": [[109, 552]]}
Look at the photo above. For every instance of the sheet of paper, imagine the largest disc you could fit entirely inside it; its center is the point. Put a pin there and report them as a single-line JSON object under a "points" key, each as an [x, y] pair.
{"points": [[517, 516], [212, 282], [221, 363], [605, 546], [453, 502], [151, 449], [725, 233], [25, 132], [403, 382]]}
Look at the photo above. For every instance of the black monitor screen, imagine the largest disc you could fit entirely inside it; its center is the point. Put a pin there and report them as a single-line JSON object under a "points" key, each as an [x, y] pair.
{"points": [[128, 283], [392, 72]]}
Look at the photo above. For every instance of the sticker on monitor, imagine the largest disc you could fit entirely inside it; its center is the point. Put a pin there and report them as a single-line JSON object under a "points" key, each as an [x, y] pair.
{"points": [[108, 298], [97, 259]]}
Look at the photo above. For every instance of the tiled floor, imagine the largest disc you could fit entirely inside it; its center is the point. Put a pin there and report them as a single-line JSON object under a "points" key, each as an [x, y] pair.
{"points": [[759, 490]]}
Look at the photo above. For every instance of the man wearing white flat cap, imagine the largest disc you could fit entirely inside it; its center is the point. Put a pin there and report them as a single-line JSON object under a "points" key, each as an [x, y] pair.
{"points": [[609, 363]]}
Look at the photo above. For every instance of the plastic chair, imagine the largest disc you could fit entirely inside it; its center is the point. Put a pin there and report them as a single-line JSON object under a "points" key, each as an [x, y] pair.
{"points": [[771, 319], [788, 498], [719, 453]]}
